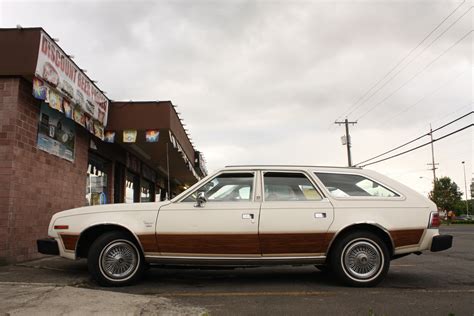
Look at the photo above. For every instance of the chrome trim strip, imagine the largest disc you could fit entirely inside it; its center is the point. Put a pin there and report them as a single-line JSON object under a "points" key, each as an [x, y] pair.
{"points": [[232, 258], [232, 261]]}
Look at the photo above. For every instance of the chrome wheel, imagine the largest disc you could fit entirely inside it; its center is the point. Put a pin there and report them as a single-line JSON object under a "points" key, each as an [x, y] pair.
{"points": [[119, 260], [362, 259]]}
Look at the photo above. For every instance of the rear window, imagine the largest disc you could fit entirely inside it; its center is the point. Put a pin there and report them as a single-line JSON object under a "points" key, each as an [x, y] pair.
{"points": [[347, 185]]}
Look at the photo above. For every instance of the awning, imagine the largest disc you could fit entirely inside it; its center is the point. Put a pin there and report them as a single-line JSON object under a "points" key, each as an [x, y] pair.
{"points": [[172, 148]]}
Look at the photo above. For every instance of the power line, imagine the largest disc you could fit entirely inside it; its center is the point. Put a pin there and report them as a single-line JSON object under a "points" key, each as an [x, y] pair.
{"points": [[414, 58], [450, 113], [391, 150], [403, 59], [414, 140], [416, 75], [448, 82], [418, 147], [455, 120]]}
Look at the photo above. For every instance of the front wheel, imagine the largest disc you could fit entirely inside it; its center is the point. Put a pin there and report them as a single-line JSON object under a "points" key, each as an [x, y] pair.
{"points": [[115, 260], [360, 259]]}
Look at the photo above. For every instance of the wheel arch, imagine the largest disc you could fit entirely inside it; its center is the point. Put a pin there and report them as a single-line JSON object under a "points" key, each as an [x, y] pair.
{"points": [[91, 233], [364, 226]]}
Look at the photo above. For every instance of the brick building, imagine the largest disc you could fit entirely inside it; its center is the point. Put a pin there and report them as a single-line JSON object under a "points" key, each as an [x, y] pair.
{"points": [[51, 159]]}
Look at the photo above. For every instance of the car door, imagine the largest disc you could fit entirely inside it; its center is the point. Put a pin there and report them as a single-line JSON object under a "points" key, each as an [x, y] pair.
{"points": [[294, 215], [225, 225]]}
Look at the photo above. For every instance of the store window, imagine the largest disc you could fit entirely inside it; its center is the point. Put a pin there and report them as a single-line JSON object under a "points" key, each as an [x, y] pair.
{"points": [[130, 184], [158, 193], [145, 191], [96, 191]]}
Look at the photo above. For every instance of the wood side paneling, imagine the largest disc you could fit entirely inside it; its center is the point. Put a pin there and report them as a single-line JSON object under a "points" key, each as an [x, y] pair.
{"points": [[295, 243], [306, 243], [209, 243], [69, 241], [406, 237], [148, 242]]}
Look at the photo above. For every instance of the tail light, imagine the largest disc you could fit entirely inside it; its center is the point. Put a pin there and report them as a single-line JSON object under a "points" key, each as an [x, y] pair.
{"points": [[435, 221]]}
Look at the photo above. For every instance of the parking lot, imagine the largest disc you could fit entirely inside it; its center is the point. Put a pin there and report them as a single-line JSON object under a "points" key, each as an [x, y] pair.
{"points": [[431, 284]]}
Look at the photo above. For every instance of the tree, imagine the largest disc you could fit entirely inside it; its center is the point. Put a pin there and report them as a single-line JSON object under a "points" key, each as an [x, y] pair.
{"points": [[460, 207], [446, 193]]}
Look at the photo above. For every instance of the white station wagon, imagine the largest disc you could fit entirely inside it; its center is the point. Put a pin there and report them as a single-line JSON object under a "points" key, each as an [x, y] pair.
{"points": [[347, 220]]}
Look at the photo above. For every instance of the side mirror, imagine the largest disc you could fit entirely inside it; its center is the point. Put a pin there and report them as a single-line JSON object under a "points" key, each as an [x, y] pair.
{"points": [[200, 199]]}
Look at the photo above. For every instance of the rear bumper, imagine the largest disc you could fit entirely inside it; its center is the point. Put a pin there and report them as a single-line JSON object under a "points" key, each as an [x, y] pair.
{"points": [[441, 242], [47, 246]]}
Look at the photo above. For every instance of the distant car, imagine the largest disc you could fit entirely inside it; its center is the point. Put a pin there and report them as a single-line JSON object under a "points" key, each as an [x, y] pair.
{"points": [[350, 220], [464, 217]]}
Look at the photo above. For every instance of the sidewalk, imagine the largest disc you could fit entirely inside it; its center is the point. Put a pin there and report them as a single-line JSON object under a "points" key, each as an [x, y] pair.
{"points": [[29, 288], [39, 299]]}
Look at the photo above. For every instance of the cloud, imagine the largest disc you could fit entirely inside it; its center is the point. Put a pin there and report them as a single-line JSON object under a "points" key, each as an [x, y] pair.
{"points": [[263, 81]]}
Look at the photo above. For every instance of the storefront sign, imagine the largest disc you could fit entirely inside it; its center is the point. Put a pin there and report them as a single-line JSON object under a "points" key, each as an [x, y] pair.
{"points": [[40, 90], [199, 162], [58, 70], [98, 130], [79, 117], [109, 137], [56, 134], [152, 136], [67, 108], [54, 100], [129, 136], [172, 139]]}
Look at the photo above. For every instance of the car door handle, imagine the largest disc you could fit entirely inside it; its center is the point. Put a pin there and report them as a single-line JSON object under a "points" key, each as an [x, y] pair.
{"points": [[319, 215], [247, 216]]}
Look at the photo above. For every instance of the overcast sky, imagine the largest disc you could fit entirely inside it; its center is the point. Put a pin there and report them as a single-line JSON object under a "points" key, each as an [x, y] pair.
{"points": [[263, 81]]}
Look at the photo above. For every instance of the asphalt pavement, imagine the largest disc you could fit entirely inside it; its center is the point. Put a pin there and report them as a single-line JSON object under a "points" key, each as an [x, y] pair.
{"points": [[430, 284]]}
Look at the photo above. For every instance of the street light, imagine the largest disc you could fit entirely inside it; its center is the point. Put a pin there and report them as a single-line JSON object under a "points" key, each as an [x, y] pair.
{"points": [[465, 187]]}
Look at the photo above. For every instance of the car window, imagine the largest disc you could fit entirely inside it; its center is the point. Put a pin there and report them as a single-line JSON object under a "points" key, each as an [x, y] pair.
{"points": [[289, 186], [226, 187], [346, 185]]}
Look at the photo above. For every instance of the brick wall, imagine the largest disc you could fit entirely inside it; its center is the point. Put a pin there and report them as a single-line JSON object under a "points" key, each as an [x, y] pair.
{"points": [[33, 184]]}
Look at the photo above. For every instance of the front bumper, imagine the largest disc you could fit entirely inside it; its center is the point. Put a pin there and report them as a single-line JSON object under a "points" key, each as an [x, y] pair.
{"points": [[47, 246], [441, 242]]}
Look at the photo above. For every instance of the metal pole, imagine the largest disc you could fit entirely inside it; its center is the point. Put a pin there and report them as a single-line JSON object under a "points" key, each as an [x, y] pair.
{"points": [[168, 171], [348, 139], [348, 144], [432, 156], [465, 187]]}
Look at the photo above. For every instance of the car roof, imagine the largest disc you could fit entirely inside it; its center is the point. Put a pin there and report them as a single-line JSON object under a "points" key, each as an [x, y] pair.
{"points": [[288, 167]]}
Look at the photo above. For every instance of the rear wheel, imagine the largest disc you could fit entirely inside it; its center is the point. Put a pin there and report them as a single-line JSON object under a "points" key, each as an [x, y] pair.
{"points": [[360, 259], [115, 260]]}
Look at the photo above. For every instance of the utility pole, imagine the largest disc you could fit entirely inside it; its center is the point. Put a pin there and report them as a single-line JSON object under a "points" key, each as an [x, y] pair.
{"points": [[465, 187], [433, 164], [347, 141]]}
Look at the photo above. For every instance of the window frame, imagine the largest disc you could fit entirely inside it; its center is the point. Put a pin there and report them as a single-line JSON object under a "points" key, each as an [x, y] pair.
{"points": [[252, 196], [400, 197], [305, 173]]}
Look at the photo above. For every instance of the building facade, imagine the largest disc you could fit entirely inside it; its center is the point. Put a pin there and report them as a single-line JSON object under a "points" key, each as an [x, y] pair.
{"points": [[64, 144]]}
